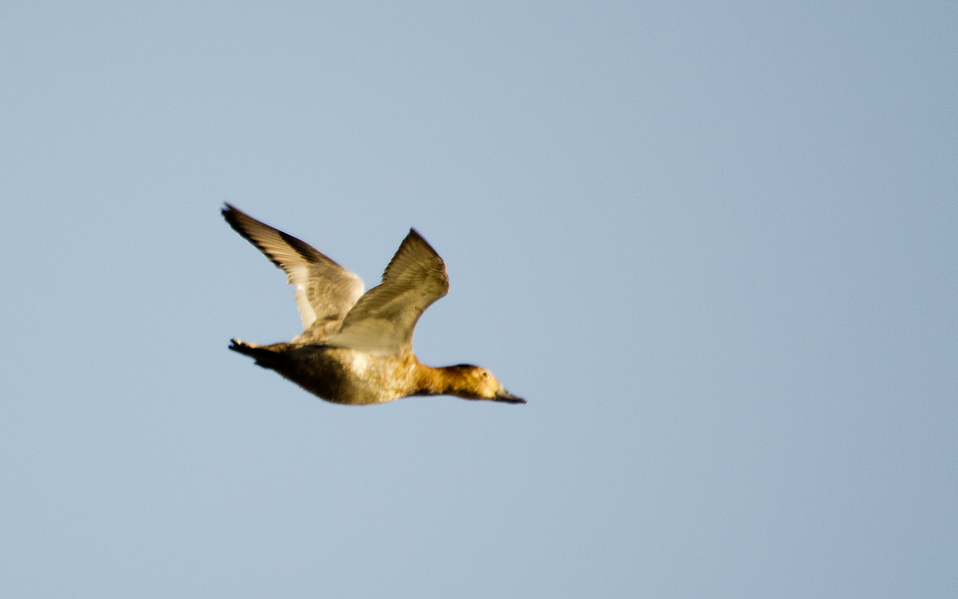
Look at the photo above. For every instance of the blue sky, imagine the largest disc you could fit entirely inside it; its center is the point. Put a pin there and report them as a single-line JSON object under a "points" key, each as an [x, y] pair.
{"points": [[713, 245]]}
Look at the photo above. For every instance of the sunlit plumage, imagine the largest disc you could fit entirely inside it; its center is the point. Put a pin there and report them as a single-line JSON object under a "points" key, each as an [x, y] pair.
{"points": [[356, 348]]}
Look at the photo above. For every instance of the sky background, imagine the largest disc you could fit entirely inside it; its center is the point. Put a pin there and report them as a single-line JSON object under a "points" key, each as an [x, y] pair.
{"points": [[714, 245]]}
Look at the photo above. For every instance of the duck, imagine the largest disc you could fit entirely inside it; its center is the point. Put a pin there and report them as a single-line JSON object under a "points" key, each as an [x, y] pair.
{"points": [[356, 345]]}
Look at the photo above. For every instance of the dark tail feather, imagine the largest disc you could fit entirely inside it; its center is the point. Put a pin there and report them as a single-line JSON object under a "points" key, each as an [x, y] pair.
{"points": [[264, 356]]}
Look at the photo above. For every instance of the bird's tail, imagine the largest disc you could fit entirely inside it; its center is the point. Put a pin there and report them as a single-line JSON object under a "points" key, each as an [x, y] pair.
{"points": [[264, 356]]}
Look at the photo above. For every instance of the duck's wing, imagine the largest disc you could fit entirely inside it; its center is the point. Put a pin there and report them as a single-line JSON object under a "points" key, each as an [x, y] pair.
{"points": [[383, 320], [325, 291]]}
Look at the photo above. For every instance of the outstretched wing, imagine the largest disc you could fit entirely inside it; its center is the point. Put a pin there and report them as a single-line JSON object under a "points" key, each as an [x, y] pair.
{"points": [[325, 291], [383, 320]]}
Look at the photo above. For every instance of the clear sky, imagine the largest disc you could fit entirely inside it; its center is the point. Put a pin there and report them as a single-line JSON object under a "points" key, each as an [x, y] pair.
{"points": [[714, 244]]}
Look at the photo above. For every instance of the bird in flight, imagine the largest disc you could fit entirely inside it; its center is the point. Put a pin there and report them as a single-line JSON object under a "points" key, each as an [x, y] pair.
{"points": [[356, 348]]}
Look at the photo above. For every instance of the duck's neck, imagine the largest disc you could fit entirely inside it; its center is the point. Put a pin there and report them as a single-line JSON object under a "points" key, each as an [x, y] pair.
{"points": [[444, 380]]}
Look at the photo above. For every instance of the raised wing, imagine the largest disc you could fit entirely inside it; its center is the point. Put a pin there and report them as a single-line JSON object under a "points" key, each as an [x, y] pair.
{"points": [[325, 291], [383, 320]]}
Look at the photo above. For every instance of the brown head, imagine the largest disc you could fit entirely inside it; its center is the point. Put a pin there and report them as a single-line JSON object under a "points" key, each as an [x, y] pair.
{"points": [[474, 382]]}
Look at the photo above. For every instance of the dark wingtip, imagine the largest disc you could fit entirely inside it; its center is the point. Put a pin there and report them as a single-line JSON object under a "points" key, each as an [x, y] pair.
{"points": [[231, 213]]}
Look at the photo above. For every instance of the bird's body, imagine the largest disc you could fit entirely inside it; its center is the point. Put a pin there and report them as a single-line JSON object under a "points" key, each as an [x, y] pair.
{"points": [[356, 348]]}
